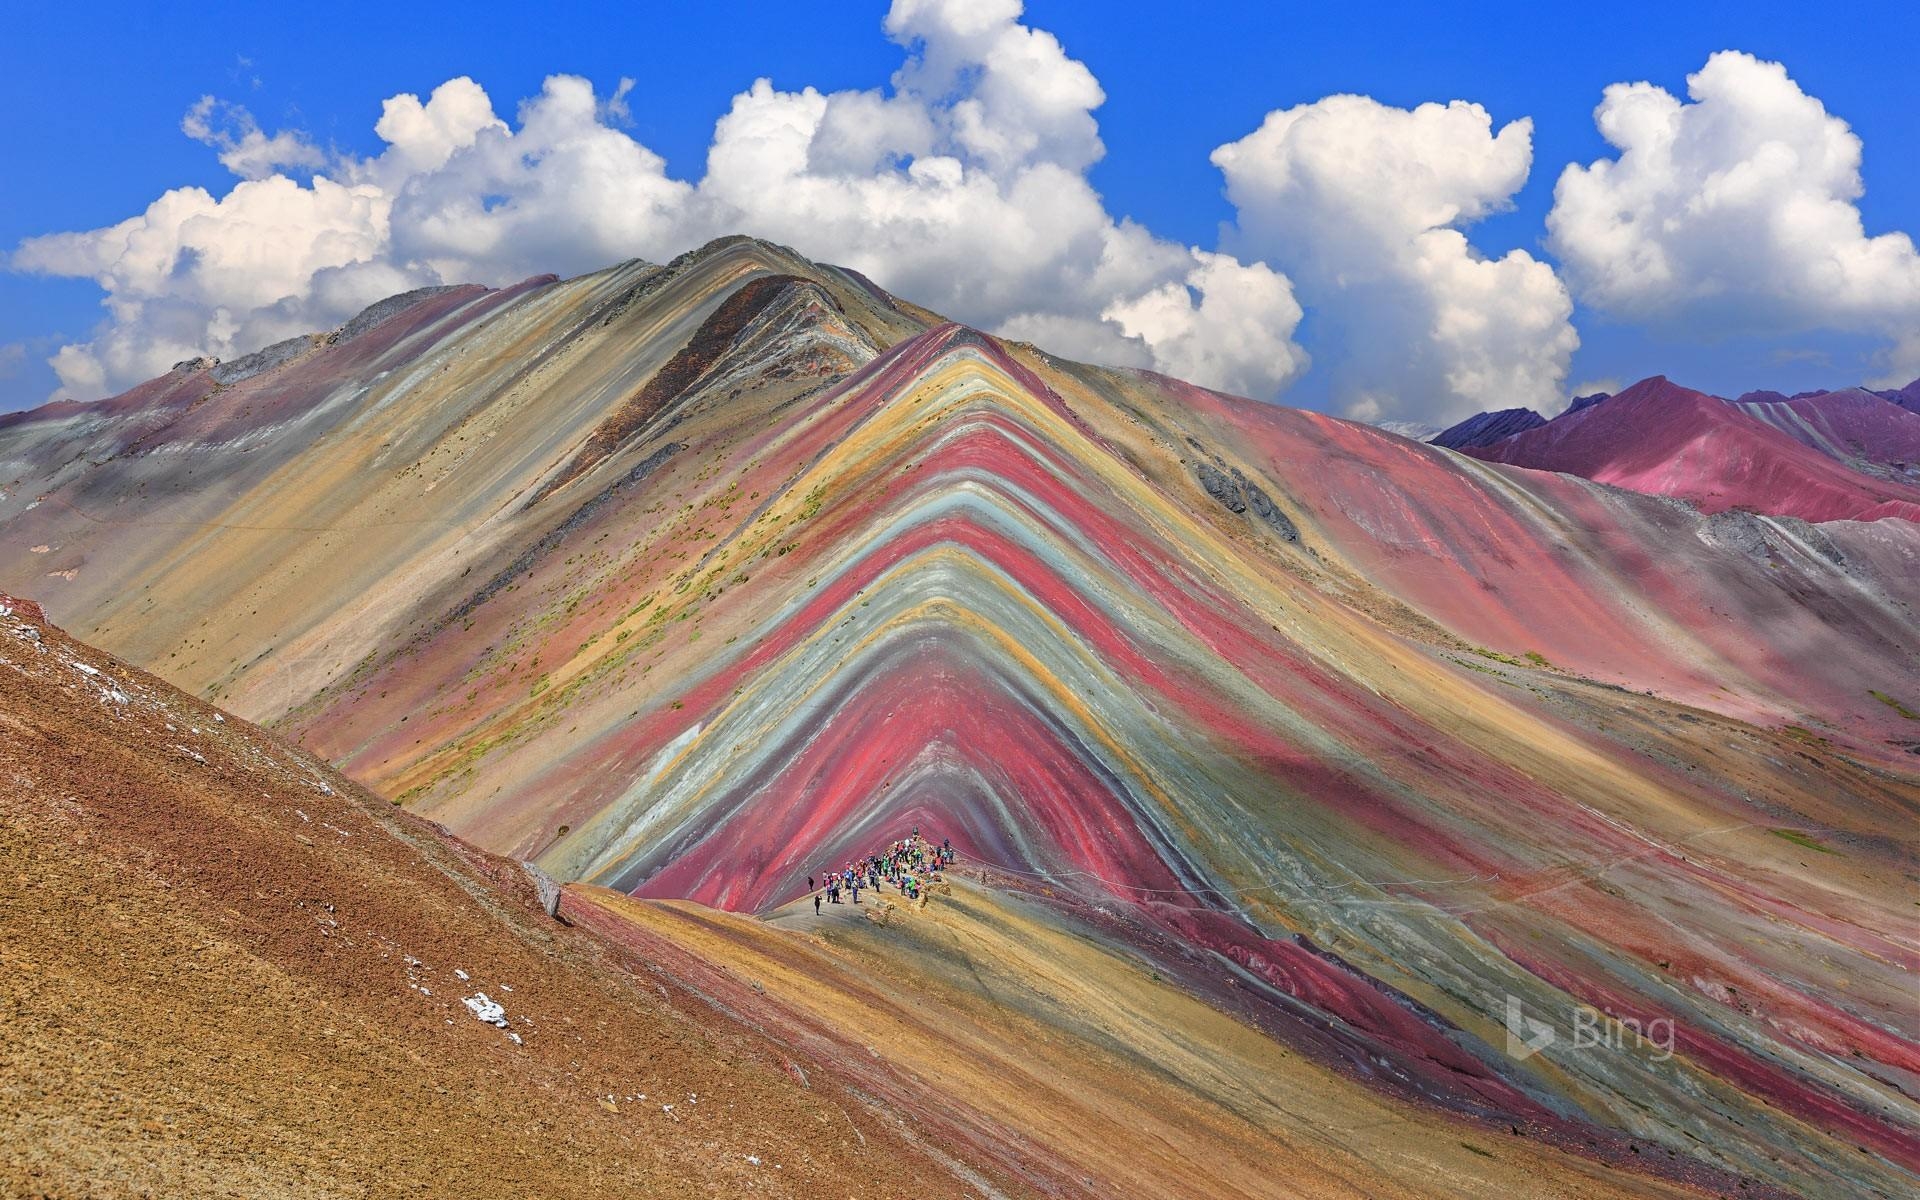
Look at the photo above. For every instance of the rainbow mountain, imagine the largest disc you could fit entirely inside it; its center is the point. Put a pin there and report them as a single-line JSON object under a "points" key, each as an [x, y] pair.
{"points": [[1294, 766]]}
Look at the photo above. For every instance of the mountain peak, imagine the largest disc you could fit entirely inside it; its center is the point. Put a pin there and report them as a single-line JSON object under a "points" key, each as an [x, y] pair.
{"points": [[1484, 429]]}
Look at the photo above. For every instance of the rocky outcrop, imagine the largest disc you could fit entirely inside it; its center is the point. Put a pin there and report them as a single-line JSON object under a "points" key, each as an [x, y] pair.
{"points": [[1238, 494], [261, 361]]}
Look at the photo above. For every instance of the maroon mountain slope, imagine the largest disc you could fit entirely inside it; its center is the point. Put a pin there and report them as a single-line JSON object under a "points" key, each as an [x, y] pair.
{"points": [[1663, 439], [1907, 397], [1862, 429]]}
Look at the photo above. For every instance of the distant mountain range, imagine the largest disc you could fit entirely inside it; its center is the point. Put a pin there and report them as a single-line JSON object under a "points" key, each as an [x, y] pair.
{"points": [[1852, 454]]}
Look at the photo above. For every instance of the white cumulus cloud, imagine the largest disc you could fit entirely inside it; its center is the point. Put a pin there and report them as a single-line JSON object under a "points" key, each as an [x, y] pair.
{"points": [[196, 273], [1362, 205], [244, 148], [473, 200], [963, 183], [962, 186], [1734, 212], [1226, 320]]}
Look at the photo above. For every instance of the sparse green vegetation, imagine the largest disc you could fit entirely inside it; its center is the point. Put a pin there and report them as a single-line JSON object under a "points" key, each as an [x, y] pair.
{"points": [[1895, 705], [1533, 658], [1800, 839], [1474, 666]]}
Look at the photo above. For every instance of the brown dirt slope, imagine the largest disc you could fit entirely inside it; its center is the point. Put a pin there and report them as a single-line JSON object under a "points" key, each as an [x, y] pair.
{"points": [[1038, 1035], [226, 970]]}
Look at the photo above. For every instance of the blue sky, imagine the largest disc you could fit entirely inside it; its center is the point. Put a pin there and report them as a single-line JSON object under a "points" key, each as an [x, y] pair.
{"points": [[98, 96]]}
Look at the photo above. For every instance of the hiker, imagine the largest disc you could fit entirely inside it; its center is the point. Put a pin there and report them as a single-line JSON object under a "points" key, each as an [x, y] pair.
{"points": [[909, 864]]}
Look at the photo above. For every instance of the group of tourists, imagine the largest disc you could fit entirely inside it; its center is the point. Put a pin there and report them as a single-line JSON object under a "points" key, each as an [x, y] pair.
{"points": [[910, 865]]}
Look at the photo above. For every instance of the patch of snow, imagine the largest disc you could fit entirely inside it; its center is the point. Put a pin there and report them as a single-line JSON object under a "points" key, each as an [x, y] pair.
{"points": [[485, 1009], [462, 974]]}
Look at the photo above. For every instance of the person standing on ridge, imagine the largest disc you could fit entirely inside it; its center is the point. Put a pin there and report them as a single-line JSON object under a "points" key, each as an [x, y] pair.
{"points": [[816, 904]]}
